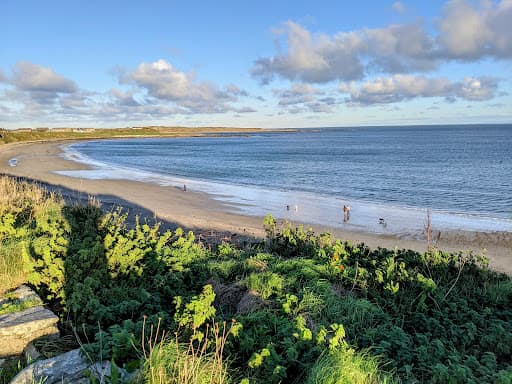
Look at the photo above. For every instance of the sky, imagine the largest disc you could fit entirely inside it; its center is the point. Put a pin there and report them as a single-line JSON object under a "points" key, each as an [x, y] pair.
{"points": [[254, 64]]}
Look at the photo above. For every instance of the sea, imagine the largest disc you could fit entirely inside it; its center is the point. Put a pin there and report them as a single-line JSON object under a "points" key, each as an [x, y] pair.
{"points": [[389, 176]]}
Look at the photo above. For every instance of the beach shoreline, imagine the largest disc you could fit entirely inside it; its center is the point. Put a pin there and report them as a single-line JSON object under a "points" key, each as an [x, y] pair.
{"points": [[199, 211]]}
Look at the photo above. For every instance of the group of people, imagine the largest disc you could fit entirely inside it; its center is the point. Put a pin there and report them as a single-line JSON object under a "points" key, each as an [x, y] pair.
{"points": [[346, 211]]}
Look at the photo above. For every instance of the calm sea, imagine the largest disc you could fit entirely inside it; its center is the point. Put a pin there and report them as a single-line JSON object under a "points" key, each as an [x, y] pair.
{"points": [[462, 173]]}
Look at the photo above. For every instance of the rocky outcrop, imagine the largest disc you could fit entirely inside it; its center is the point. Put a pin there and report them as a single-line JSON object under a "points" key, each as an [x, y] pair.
{"points": [[70, 367], [18, 329], [65, 368]]}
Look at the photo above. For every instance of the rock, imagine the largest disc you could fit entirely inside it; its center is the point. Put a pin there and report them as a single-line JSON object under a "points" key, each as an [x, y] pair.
{"points": [[31, 353], [18, 329], [70, 367], [65, 368], [22, 293]]}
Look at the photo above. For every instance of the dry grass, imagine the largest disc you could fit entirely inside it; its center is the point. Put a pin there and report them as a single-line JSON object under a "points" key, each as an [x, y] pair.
{"points": [[16, 196]]}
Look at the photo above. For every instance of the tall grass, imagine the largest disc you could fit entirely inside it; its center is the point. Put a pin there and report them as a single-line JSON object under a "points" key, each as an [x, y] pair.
{"points": [[12, 272], [200, 361], [20, 202], [15, 194], [345, 366]]}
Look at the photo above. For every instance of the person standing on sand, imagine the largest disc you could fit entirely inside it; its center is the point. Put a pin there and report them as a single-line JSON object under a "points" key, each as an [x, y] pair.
{"points": [[346, 213]]}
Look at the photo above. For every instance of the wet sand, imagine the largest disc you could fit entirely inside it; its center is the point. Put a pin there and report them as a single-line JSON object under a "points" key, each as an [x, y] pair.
{"points": [[199, 211]]}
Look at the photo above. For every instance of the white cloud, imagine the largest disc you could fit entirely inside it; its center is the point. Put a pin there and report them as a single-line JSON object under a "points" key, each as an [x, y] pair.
{"points": [[35, 78], [123, 98], [34, 89], [234, 90], [398, 6], [406, 87], [158, 91], [476, 89], [465, 32], [315, 59], [348, 55], [297, 94], [164, 83], [302, 97], [399, 49], [471, 33]]}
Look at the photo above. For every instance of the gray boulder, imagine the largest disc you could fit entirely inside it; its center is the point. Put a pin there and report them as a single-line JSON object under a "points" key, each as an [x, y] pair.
{"points": [[70, 367], [65, 368], [18, 329]]}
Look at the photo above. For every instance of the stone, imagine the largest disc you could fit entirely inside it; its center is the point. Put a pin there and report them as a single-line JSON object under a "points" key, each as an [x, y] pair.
{"points": [[65, 368], [31, 353], [70, 367], [22, 293], [18, 329]]}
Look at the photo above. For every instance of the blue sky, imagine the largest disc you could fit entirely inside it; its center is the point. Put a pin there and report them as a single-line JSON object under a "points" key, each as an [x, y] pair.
{"points": [[265, 63]]}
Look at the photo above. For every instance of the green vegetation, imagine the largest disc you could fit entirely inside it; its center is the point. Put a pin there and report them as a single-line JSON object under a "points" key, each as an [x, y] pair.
{"points": [[45, 134], [345, 366], [296, 307], [14, 305]]}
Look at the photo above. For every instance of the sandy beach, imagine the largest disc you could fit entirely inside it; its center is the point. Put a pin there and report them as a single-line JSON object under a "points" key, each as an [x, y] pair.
{"points": [[200, 212]]}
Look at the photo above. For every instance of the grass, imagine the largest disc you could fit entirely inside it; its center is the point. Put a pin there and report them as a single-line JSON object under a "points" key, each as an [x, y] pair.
{"points": [[20, 202], [11, 369], [12, 273], [345, 366], [169, 361], [18, 306]]}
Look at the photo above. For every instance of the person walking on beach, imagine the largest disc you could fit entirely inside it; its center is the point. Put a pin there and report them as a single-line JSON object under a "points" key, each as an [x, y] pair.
{"points": [[346, 213]]}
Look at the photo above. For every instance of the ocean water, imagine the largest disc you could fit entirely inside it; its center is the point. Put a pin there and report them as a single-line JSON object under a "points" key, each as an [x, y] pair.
{"points": [[463, 174]]}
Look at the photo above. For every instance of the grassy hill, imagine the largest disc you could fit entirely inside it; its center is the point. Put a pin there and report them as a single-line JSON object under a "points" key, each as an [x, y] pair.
{"points": [[21, 135]]}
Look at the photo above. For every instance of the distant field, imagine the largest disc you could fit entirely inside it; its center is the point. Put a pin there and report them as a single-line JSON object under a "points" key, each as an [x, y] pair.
{"points": [[21, 135]]}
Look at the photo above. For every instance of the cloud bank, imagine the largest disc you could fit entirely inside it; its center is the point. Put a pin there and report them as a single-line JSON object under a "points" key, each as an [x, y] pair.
{"points": [[406, 87], [152, 91], [463, 33]]}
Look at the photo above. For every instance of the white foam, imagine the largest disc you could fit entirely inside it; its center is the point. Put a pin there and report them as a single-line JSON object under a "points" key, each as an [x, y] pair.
{"points": [[311, 208]]}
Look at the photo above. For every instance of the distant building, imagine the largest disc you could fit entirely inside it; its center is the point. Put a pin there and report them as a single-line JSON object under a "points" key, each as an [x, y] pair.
{"points": [[24, 130], [57, 130], [42, 129], [84, 130]]}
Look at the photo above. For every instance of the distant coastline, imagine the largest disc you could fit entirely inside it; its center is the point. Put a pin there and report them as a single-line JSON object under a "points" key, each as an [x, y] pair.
{"points": [[8, 136]]}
